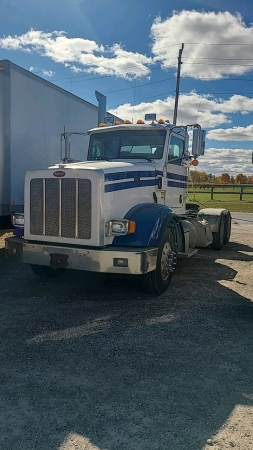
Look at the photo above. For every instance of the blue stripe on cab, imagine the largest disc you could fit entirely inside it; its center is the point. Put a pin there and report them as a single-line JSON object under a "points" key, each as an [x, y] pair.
{"points": [[176, 184], [131, 174], [129, 185], [175, 176]]}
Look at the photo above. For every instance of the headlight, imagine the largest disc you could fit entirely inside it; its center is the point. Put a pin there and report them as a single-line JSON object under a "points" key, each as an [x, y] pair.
{"points": [[18, 220], [120, 227]]}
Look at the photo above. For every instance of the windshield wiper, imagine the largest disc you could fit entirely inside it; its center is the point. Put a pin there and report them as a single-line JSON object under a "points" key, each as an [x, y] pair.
{"points": [[137, 157], [99, 158]]}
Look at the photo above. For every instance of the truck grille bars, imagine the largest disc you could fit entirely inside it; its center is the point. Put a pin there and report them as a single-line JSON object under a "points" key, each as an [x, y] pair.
{"points": [[60, 207]]}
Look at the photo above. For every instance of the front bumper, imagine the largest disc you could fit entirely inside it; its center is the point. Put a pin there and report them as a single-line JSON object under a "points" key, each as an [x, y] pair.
{"points": [[138, 260]]}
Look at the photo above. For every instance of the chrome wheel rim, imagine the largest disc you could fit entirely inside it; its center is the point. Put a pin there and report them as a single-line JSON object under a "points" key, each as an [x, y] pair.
{"points": [[168, 261]]}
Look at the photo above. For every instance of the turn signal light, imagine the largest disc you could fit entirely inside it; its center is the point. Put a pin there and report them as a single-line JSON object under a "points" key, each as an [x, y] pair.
{"points": [[195, 162], [140, 121], [131, 226], [161, 121], [127, 121]]}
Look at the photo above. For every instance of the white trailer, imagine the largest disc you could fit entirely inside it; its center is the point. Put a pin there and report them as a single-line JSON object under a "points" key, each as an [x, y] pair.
{"points": [[123, 210], [33, 114]]}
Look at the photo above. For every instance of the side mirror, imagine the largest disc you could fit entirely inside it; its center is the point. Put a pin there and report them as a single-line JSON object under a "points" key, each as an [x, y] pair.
{"points": [[198, 142]]}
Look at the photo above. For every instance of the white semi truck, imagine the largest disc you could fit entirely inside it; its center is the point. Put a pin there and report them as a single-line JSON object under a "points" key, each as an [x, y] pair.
{"points": [[123, 210]]}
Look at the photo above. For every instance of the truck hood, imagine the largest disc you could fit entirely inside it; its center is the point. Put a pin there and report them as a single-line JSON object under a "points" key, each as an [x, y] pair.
{"points": [[107, 166]]}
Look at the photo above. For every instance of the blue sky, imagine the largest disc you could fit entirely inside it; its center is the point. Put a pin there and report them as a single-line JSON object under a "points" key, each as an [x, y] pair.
{"points": [[128, 50]]}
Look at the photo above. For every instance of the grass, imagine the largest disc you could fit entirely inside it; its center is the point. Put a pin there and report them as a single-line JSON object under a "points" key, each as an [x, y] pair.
{"points": [[231, 202]]}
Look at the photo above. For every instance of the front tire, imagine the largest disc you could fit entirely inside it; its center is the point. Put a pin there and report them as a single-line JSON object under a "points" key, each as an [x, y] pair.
{"points": [[46, 272], [157, 281]]}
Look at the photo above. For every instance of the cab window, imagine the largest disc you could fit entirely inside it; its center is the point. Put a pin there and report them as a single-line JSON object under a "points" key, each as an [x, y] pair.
{"points": [[176, 148]]}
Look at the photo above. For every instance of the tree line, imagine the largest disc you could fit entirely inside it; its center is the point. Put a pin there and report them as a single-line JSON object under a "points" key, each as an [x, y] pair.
{"points": [[202, 177]]}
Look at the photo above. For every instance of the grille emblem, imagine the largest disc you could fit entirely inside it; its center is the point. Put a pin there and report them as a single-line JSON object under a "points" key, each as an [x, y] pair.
{"points": [[59, 173]]}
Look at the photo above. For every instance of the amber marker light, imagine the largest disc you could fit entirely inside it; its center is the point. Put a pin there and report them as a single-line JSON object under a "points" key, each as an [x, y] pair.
{"points": [[131, 227]]}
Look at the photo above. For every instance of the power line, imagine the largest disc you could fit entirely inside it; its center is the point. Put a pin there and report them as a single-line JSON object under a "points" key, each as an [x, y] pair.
{"points": [[221, 79], [217, 43], [184, 92], [140, 85], [220, 59], [168, 46], [219, 64], [146, 98]]}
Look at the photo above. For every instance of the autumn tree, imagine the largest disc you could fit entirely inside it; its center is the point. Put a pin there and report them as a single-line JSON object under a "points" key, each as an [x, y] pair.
{"points": [[241, 179], [194, 176], [203, 177], [224, 178]]}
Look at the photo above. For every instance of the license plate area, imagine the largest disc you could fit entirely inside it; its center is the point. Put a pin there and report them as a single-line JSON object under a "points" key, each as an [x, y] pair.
{"points": [[58, 261]]}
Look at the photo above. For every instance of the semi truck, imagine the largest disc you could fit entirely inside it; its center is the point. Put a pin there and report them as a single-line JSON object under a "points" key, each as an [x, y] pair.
{"points": [[121, 211], [33, 114]]}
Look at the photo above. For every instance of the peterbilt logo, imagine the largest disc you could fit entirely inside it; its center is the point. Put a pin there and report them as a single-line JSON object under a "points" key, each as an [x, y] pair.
{"points": [[59, 173]]}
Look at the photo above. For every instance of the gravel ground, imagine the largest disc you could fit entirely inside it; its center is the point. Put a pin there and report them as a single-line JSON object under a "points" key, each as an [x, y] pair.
{"points": [[92, 363]]}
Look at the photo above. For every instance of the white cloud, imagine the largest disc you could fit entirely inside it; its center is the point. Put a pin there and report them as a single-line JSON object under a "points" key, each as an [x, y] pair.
{"points": [[232, 161], [237, 103], [193, 107], [207, 110], [48, 73], [202, 61], [232, 134], [84, 54]]}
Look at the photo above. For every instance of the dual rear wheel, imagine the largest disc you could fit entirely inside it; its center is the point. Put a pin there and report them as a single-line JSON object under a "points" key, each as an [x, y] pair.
{"points": [[223, 235]]}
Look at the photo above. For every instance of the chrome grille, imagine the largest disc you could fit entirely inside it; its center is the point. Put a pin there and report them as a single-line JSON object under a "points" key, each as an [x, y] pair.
{"points": [[68, 225], [60, 207], [52, 201], [84, 209], [36, 206]]}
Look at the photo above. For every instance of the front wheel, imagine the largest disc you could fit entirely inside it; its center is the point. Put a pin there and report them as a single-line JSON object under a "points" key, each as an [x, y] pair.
{"points": [[46, 272], [157, 281]]}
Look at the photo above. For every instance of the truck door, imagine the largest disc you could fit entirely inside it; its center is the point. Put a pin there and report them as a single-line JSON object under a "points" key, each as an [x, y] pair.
{"points": [[176, 175]]}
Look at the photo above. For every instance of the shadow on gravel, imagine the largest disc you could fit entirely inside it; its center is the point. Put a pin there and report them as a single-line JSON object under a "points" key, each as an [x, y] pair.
{"points": [[88, 359]]}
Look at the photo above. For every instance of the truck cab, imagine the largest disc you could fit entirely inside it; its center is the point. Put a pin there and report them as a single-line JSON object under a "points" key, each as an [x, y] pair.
{"points": [[123, 210]]}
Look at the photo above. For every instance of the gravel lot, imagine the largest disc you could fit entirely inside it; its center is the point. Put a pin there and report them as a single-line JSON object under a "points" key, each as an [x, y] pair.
{"points": [[92, 363]]}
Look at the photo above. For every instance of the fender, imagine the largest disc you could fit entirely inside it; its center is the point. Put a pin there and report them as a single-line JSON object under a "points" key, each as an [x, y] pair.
{"points": [[151, 219]]}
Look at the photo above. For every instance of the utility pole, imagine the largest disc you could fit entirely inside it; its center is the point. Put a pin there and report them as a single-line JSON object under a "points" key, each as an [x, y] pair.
{"points": [[178, 83]]}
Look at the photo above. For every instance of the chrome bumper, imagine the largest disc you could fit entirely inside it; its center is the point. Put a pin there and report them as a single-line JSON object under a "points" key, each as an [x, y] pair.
{"points": [[137, 260]]}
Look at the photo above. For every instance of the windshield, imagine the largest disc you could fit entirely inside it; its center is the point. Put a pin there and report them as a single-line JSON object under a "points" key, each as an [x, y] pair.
{"points": [[127, 144]]}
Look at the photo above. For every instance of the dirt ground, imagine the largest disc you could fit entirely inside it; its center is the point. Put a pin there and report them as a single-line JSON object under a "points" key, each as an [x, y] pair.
{"points": [[92, 363]]}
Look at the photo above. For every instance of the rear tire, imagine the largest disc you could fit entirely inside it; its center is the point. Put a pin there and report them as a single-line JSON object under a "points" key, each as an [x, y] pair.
{"points": [[46, 272], [227, 231], [218, 238], [157, 281]]}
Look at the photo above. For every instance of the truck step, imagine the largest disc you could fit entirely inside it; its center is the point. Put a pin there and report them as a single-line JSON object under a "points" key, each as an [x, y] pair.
{"points": [[188, 254]]}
